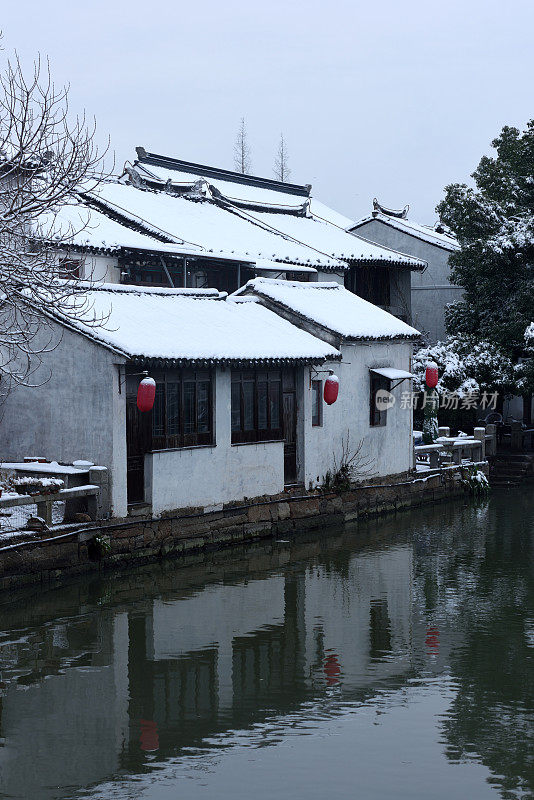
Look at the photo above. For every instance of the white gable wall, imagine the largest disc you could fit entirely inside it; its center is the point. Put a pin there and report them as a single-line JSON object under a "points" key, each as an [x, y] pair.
{"points": [[389, 447], [74, 412], [431, 289]]}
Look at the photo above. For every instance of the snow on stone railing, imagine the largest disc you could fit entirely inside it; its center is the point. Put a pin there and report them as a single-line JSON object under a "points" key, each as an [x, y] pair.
{"points": [[450, 452], [45, 501]]}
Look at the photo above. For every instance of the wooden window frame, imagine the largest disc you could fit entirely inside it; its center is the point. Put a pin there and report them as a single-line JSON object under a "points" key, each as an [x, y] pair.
{"points": [[181, 381], [254, 378], [317, 386], [377, 417]]}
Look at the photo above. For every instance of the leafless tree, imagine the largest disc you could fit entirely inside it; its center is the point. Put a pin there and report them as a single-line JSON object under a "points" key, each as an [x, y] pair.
{"points": [[45, 157], [281, 168], [242, 162]]}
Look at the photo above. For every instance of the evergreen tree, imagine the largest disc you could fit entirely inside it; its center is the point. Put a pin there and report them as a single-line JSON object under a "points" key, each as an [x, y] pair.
{"points": [[495, 266]]}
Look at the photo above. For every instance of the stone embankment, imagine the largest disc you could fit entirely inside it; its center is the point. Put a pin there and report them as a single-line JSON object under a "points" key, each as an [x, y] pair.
{"points": [[74, 550]]}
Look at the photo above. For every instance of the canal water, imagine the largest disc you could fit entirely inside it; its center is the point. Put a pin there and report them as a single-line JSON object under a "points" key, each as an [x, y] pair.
{"points": [[391, 659]]}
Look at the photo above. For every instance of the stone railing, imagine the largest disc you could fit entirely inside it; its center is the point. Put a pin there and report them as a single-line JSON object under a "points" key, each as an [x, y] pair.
{"points": [[456, 450], [44, 502], [86, 489]]}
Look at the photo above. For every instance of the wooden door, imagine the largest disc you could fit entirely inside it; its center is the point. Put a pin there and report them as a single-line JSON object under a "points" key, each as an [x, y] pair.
{"points": [[138, 442], [289, 421]]}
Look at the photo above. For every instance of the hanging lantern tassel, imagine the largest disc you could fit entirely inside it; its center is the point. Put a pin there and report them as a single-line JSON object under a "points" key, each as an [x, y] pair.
{"points": [[431, 375], [146, 394], [331, 389]]}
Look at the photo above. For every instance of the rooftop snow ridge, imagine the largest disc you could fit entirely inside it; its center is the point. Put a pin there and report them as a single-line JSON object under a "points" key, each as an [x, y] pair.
{"points": [[177, 164], [255, 282], [120, 288]]}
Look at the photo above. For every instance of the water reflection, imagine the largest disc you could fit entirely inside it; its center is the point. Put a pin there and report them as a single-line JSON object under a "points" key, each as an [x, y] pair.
{"points": [[430, 612]]}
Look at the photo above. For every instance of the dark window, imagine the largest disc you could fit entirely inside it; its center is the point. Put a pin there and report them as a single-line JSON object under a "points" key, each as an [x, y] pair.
{"points": [[376, 412], [70, 268], [371, 283], [182, 415], [317, 403], [256, 403]]}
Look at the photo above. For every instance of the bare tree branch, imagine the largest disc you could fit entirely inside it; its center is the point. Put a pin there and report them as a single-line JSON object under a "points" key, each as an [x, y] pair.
{"points": [[45, 159]]}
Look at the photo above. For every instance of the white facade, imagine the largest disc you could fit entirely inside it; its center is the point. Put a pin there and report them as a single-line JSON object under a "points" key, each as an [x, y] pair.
{"points": [[211, 475], [387, 449]]}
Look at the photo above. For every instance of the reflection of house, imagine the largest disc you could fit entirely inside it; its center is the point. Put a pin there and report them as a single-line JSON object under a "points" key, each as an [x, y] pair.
{"points": [[168, 222], [66, 728], [172, 671], [431, 289], [219, 655], [239, 387]]}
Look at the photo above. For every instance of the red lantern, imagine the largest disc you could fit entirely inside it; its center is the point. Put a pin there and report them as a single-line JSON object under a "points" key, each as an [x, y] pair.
{"points": [[331, 389], [146, 394], [431, 375]]}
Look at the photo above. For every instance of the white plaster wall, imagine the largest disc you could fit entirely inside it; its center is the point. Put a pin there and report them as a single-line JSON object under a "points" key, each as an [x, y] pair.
{"points": [[207, 476], [102, 269], [331, 277], [73, 412], [389, 447]]}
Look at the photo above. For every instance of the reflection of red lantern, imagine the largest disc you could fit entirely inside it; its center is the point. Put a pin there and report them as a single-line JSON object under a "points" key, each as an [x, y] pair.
{"points": [[149, 738], [432, 641], [146, 394], [431, 375], [332, 670], [331, 389]]}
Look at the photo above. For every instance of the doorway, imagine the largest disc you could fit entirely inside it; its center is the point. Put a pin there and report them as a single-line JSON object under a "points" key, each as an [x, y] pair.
{"points": [[289, 422], [138, 442]]}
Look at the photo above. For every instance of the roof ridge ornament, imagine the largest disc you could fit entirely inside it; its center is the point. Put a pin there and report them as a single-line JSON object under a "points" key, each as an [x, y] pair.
{"points": [[389, 212]]}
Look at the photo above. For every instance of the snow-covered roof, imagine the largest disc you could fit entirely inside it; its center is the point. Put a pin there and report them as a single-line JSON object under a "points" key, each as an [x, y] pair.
{"points": [[332, 307], [329, 239], [82, 226], [426, 233], [208, 227], [285, 210], [193, 326]]}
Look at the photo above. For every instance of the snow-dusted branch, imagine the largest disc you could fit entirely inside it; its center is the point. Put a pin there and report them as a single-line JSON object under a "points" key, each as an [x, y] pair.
{"points": [[46, 157]]}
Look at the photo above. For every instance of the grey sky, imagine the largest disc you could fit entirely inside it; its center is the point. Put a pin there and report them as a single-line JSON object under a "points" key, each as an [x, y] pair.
{"points": [[386, 98]]}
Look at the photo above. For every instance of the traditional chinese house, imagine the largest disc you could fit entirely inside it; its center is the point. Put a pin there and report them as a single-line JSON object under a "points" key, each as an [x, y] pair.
{"points": [[240, 381]]}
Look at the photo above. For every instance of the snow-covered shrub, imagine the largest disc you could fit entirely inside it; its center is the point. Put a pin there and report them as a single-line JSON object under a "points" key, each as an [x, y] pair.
{"points": [[475, 481]]}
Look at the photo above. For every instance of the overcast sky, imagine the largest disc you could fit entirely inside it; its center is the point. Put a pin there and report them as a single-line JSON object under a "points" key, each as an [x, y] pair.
{"points": [[386, 98]]}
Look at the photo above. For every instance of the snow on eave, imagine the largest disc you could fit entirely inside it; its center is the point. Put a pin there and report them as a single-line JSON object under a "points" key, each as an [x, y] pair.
{"points": [[254, 286], [441, 240], [177, 335]]}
